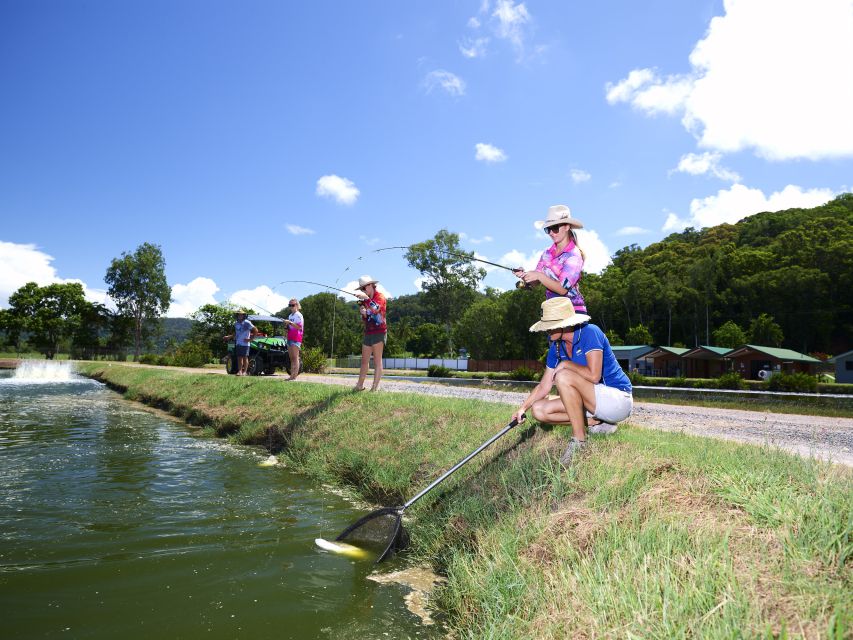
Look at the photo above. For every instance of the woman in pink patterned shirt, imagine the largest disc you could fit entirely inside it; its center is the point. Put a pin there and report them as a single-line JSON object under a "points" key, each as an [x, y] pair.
{"points": [[559, 268]]}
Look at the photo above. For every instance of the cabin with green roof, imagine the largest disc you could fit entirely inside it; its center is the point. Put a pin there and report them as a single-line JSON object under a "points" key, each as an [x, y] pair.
{"points": [[665, 361], [751, 359], [706, 361]]}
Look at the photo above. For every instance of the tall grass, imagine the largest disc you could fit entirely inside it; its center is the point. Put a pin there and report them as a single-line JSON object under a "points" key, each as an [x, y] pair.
{"points": [[651, 534]]}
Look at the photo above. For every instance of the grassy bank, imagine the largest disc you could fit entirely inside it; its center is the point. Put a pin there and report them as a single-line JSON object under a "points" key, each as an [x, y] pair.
{"points": [[651, 534]]}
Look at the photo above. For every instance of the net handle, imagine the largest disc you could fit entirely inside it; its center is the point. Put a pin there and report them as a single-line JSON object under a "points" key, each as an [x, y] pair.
{"points": [[459, 464]]}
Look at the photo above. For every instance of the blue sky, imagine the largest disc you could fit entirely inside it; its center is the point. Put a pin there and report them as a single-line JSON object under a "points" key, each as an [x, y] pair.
{"points": [[258, 142]]}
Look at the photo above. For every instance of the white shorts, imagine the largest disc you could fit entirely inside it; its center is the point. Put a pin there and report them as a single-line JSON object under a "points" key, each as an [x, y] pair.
{"points": [[611, 404]]}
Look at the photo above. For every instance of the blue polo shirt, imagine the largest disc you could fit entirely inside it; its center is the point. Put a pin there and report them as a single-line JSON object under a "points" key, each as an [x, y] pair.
{"points": [[588, 338], [243, 332]]}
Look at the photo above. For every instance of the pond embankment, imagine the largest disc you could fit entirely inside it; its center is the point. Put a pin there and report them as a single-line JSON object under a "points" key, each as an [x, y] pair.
{"points": [[650, 534]]}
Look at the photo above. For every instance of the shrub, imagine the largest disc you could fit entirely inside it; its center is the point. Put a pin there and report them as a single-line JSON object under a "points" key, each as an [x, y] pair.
{"points": [[637, 378], [730, 380], [798, 381], [677, 382], [148, 358], [191, 354], [522, 373], [313, 360], [437, 371]]}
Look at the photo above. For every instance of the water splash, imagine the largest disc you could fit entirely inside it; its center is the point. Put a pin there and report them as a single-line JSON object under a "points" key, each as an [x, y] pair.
{"points": [[44, 371]]}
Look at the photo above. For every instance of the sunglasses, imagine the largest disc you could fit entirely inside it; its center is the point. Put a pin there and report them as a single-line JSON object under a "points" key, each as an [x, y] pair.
{"points": [[292, 304], [555, 229]]}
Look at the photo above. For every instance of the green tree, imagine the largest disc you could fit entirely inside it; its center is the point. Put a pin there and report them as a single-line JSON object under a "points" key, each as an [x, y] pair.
{"points": [[429, 341], [764, 331], [614, 339], [137, 283], [482, 330], [638, 335], [210, 323], [729, 335], [451, 281], [50, 315]]}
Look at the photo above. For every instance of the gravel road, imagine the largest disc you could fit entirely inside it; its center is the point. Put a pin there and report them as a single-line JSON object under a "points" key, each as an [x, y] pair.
{"points": [[822, 437]]}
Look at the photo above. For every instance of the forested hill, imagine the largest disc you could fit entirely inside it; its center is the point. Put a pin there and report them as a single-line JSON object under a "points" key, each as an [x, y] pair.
{"points": [[795, 265]]}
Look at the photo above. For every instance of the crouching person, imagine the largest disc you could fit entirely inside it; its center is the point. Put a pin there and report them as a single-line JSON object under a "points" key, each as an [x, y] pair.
{"points": [[588, 378]]}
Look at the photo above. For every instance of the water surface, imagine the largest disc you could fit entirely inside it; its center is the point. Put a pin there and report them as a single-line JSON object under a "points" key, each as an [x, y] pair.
{"points": [[116, 522]]}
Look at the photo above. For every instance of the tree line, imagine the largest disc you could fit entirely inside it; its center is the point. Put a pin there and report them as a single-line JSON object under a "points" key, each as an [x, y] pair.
{"points": [[775, 279]]}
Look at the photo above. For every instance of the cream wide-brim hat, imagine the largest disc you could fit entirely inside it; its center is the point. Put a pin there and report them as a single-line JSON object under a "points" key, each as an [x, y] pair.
{"points": [[560, 214], [363, 281], [558, 313]]}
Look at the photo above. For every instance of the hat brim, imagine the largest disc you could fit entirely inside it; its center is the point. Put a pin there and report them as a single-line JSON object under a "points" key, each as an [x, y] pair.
{"points": [[548, 325], [361, 288], [574, 223]]}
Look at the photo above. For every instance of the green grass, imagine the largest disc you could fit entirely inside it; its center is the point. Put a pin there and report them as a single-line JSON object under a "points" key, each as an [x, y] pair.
{"points": [[652, 534]]}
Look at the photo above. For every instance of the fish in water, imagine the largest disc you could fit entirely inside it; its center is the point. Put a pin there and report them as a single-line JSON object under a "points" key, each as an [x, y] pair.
{"points": [[342, 548], [269, 462]]}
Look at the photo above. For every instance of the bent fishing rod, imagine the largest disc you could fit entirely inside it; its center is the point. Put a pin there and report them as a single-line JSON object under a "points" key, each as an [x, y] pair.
{"points": [[320, 284], [518, 285]]}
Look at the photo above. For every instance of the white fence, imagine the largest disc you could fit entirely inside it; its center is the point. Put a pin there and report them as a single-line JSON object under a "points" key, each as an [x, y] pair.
{"points": [[456, 364]]}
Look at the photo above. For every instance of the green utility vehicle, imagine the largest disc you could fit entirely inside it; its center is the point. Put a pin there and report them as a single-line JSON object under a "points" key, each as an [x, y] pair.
{"points": [[266, 353]]}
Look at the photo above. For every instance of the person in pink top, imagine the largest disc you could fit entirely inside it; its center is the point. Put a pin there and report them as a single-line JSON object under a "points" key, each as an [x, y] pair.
{"points": [[560, 266], [295, 329], [372, 307]]}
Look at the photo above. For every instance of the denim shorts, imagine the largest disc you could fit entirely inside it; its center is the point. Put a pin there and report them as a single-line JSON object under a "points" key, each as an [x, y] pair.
{"points": [[241, 350], [294, 343]]}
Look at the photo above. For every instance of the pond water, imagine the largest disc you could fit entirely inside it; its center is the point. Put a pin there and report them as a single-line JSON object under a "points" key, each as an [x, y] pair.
{"points": [[117, 522]]}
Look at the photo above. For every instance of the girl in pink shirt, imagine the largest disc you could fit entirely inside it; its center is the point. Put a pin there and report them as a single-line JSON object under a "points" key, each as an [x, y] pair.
{"points": [[560, 266]]}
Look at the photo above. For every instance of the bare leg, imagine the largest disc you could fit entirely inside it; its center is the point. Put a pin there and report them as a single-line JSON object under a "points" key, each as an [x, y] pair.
{"points": [[365, 362], [244, 365], [293, 350], [575, 393], [378, 348]]}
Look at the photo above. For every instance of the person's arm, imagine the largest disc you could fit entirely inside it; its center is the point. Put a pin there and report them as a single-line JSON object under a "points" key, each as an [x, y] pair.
{"points": [[592, 370], [570, 272], [540, 391]]}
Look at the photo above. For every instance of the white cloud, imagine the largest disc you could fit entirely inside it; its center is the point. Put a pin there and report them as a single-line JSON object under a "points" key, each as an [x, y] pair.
{"points": [[187, 298], [738, 202], [342, 190], [368, 241], [473, 47], [473, 22], [261, 298], [352, 285], [579, 175], [489, 153], [614, 185], [480, 240], [296, 230], [705, 163], [631, 231], [770, 76], [512, 20], [516, 258], [597, 255], [449, 82], [23, 263]]}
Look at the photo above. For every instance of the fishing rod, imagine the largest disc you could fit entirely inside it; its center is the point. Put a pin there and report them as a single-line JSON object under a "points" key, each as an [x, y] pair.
{"points": [[320, 284], [518, 285]]}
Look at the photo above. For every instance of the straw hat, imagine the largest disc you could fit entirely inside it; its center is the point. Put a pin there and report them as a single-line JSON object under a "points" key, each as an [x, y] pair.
{"points": [[241, 312], [560, 214], [557, 313], [363, 281]]}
